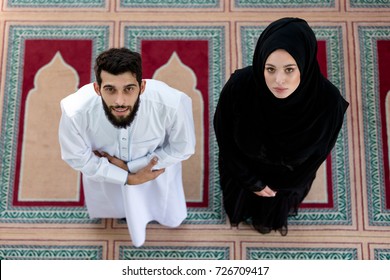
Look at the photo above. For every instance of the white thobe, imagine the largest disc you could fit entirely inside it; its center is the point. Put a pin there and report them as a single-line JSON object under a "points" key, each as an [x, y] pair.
{"points": [[163, 127]]}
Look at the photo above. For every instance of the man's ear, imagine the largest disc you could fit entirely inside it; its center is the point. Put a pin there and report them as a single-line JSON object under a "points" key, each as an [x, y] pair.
{"points": [[143, 86], [97, 88]]}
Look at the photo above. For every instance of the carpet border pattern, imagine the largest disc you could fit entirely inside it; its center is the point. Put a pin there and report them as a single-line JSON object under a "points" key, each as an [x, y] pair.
{"points": [[279, 4], [49, 252], [375, 175], [174, 252], [74, 4], [299, 253]]}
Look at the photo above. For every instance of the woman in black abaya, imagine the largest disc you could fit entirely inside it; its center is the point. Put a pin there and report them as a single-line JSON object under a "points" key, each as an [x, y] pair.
{"points": [[275, 123]]}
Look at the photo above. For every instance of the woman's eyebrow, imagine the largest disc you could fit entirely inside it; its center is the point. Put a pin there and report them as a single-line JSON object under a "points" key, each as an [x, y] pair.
{"points": [[289, 65]]}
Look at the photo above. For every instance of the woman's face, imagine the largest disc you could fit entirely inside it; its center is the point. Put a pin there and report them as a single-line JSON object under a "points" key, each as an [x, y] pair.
{"points": [[281, 74]]}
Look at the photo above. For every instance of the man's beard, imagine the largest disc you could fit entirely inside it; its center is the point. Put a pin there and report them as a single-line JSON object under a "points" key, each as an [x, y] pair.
{"points": [[121, 122]]}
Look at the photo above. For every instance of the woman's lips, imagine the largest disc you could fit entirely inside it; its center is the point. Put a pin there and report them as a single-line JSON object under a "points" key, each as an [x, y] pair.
{"points": [[280, 89]]}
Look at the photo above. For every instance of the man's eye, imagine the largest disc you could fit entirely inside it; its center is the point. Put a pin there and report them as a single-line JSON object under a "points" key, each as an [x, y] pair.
{"points": [[130, 89]]}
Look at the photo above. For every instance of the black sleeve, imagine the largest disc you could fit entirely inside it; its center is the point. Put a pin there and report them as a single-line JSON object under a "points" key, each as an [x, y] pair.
{"points": [[309, 168], [234, 161]]}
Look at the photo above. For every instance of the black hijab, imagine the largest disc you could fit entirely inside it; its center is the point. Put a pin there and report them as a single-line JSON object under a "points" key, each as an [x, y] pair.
{"points": [[287, 131]]}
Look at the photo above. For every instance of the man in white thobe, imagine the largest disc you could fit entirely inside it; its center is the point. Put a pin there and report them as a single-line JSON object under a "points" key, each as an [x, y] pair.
{"points": [[128, 136]]}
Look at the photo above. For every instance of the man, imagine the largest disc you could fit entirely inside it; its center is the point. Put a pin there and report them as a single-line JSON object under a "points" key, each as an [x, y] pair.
{"points": [[128, 137]]}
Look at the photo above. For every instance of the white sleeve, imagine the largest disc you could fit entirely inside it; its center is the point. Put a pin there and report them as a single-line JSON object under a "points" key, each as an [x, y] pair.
{"points": [[80, 156], [180, 144]]}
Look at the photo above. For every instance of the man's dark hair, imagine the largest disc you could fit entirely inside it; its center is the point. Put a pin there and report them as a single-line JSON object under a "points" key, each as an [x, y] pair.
{"points": [[118, 61]]}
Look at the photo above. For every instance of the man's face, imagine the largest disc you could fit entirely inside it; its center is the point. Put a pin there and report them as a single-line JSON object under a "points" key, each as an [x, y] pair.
{"points": [[120, 97]]}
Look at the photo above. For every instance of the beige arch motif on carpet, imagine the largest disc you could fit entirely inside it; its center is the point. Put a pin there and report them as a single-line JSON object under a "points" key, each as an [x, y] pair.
{"points": [[180, 76], [44, 176]]}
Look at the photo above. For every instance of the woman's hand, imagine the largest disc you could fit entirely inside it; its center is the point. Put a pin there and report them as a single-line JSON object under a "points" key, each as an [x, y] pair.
{"points": [[266, 192]]}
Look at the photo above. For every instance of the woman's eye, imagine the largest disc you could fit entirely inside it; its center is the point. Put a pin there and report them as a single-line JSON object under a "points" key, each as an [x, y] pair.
{"points": [[270, 70], [289, 70]]}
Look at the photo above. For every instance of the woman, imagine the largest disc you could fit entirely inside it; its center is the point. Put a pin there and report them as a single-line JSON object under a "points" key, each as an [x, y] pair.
{"points": [[275, 123]]}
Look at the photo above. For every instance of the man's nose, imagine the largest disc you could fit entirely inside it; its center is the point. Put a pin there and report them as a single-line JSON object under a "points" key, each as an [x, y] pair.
{"points": [[120, 99]]}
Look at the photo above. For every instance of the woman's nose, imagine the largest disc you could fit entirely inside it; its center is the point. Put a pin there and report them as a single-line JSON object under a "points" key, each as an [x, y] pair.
{"points": [[280, 78]]}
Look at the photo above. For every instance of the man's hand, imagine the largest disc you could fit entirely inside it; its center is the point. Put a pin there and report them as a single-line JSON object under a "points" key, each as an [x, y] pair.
{"points": [[266, 192], [114, 160], [142, 176], [145, 174]]}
